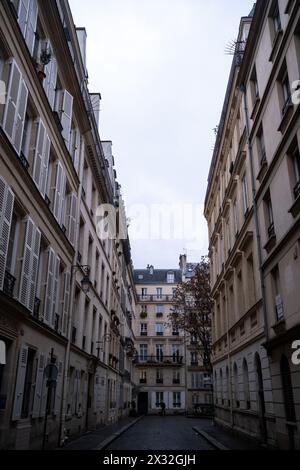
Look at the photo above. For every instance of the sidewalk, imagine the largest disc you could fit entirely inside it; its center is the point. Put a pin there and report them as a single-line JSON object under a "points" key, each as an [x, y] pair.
{"points": [[224, 439], [97, 440]]}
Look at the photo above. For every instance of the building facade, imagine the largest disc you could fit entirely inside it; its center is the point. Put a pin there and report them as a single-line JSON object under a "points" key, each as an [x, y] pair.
{"points": [[252, 209], [160, 372], [66, 296]]}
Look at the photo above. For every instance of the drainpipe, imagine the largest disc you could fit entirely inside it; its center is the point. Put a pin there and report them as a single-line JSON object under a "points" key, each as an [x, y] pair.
{"points": [[256, 219]]}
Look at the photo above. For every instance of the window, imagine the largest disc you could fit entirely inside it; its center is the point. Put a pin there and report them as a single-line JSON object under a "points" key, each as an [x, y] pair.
{"points": [[144, 293], [160, 329], [158, 293], [254, 87], [144, 329], [175, 330], [143, 377], [50, 71], [159, 398], [295, 160], [286, 91], [26, 373], [159, 376], [269, 215], [261, 146], [176, 353], [194, 359], [27, 12], [159, 352], [176, 400], [64, 107], [197, 380], [235, 217], [159, 310], [143, 352], [276, 287], [176, 377], [246, 385], [275, 19], [245, 194], [170, 278]]}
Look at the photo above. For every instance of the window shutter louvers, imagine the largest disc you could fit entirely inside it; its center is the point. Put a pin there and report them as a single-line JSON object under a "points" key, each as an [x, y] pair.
{"points": [[66, 116], [30, 263], [38, 386], [55, 290], [23, 14], [20, 381], [6, 211], [50, 81], [20, 116], [31, 25], [34, 268], [77, 150], [49, 287], [72, 219], [41, 158], [65, 307], [60, 188], [45, 166]]}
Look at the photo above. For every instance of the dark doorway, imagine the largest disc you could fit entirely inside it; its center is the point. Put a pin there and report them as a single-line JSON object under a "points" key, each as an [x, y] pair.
{"points": [[143, 403], [289, 402], [261, 399]]}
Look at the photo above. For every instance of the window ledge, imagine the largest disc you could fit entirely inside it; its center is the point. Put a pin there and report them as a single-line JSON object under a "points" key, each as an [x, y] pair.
{"points": [[295, 209], [270, 244], [276, 43], [255, 108], [286, 116]]}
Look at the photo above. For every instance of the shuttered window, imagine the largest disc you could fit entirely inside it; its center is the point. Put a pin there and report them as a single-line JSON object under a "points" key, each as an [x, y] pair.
{"points": [[20, 383], [66, 116], [71, 218], [27, 19], [59, 193], [65, 303], [52, 288], [38, 390], [30, 262], [15, 107], [6, 211], [41, 158], [50, 71]]}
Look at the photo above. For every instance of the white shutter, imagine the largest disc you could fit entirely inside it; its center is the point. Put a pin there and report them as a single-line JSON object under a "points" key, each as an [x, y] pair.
{"points": [[77, 150], [65, 307], [31, 25], [60, 186], [20, 382], [38, 157], [55, 295], [11, 100], [20, 116], [26, 263], [72, 219], [62, 211], [49, 287], [38, 386], [66, 116], [45, 166], [23, 14], [58, 390], [34, 266], [6, 211]]}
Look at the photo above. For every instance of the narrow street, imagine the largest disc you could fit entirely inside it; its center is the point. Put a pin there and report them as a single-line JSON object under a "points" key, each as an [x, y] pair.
{"points": [[161, 433]]}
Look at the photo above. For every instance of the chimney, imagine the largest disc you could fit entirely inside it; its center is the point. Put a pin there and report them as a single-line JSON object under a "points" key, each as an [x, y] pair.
{"points": [[81, 36], [182, 263]]}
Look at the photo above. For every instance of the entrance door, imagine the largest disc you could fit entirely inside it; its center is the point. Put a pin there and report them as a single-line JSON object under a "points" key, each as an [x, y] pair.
{"points": [[261, 399], [143, 403]]}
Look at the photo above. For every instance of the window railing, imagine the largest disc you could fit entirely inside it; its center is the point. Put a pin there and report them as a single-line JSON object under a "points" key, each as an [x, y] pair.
{"points": [[287, 104], [155, 298], [160, 359], [160, 381], [144, 333], [9, 284], [143, 381], [176, 381], [176, 405], [271, 230]]}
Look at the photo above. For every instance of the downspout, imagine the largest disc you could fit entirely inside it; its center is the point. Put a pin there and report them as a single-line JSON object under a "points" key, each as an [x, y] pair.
{"points": [[70, 312], [256, 219]]}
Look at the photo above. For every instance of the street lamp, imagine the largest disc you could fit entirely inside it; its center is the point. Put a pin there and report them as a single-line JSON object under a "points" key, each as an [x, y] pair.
{"points": [[85, 282]]}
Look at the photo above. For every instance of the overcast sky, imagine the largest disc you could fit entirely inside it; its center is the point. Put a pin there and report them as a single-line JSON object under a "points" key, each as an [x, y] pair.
{"points": [[161, 69]]}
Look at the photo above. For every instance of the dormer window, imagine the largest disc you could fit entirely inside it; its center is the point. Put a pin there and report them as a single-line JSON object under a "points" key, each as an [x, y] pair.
{"points": [[170, 278]]}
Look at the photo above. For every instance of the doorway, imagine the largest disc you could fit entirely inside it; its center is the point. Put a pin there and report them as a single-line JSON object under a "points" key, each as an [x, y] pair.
{"points": [[143, 403], [261, 399]]}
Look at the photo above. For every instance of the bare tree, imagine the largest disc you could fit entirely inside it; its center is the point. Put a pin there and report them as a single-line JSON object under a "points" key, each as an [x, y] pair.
{"points": [[192, 307]]}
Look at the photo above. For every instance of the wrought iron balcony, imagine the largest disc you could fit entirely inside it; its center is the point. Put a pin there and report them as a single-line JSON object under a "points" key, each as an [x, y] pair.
{"points": [[159, 360], [156, 298], [9, 284], [271, 231]]}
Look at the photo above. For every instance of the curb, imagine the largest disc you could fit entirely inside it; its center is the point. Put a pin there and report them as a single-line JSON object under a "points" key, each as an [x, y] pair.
{"points": [[117, 434], [211, 440]]}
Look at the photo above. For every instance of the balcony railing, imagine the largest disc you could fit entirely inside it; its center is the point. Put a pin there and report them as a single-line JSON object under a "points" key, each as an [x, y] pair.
{"points": [[143, 381], [176, 381], [9, 284], [156, 298], [271, 231], [160, 381], [158, 360]]}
